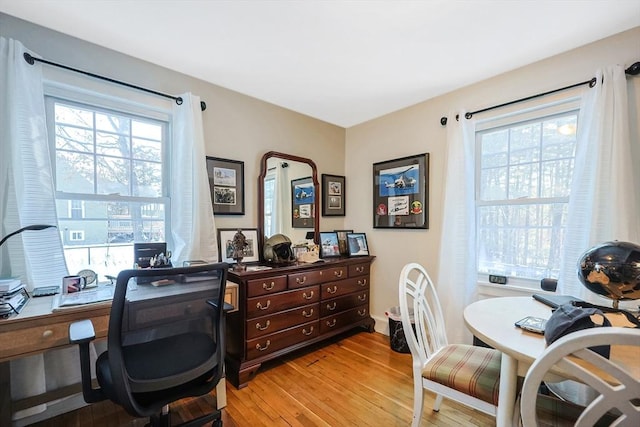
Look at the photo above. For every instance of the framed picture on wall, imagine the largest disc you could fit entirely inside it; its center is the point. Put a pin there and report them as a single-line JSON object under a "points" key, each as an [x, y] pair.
{"points": [[302, 203], [401, 192], [333, 195], [251, 252], [226, 183]]}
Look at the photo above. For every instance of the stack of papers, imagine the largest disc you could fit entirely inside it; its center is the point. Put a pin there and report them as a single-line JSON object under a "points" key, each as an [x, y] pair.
{"points": [[12, 302], [99, 294], [9, 284]]}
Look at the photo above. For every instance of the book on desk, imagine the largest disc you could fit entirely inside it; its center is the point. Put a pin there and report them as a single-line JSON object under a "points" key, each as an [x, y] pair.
{"points": [[12, 302], [98, 294]]}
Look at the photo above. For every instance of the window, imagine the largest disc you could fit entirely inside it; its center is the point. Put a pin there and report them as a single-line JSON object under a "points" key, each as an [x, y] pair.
{"points": [[109, 172], [269, 202], [523, 182]]}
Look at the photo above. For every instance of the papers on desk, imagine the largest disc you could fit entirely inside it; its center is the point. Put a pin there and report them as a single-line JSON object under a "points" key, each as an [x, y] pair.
{"points": [[97, 295]]}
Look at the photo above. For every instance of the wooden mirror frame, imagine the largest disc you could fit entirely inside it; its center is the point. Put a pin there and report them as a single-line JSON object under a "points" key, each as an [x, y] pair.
{"points": [[316, 189]]}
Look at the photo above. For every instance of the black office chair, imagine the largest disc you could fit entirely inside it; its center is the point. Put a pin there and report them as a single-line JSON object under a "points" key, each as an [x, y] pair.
{"points": [[165, 341]]}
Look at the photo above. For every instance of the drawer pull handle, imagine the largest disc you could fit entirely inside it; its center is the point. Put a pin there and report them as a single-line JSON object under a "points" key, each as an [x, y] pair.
{"points": [[300, 281], [269, 286], [266, 346], [359, 269], [332, 306], [362, 297], [338, 273], [47, 333], [262, 328], [305, 296], [309, 314], [362, 282], [304, 331], [362, 313], [261, 307], [331, 323], [332, 290]]}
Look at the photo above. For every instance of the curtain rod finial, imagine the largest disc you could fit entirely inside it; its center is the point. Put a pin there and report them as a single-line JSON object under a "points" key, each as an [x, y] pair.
{"points": [[443, 121], [203, 105], [633, 69], [28, 58]]}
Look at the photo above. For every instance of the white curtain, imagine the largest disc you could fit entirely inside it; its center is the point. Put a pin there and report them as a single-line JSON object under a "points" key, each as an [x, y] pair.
{"points": [[604, 197], [280, 198], [457, 273], [27, 196], [192, 224]]}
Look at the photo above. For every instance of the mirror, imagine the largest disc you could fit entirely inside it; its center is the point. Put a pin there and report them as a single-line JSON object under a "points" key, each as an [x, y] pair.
{"points": [[285, 178]]}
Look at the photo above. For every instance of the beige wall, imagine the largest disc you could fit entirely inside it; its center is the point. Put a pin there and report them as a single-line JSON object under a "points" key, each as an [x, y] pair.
{"points": [[236, 126], [417, 129]]}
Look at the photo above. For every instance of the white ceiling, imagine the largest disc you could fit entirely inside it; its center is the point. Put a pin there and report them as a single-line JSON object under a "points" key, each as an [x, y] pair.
{"points": [[344, 62]]}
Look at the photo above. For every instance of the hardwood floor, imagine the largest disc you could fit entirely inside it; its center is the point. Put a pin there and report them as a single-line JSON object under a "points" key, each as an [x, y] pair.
{"points": [[353, 380]]}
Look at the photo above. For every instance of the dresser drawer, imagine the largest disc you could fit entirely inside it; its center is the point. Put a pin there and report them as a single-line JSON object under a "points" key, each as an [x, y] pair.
{"points": [[346, 318], [336, 305], [342, 287], [45, 337], [359, 269], [269, 343], [314, 277], [265, 325], [269, 304], [268, 285]]}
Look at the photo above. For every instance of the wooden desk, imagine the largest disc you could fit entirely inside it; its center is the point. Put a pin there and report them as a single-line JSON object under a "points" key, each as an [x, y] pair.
{"points": [[492, 320], [37, 330]]}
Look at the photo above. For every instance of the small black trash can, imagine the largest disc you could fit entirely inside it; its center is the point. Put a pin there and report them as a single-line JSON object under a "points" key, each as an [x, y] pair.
{"points": [[397, 340]]}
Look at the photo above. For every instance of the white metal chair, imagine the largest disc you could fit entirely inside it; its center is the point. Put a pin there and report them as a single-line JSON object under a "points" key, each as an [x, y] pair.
{"points": [[464, 373], [618, 398]]}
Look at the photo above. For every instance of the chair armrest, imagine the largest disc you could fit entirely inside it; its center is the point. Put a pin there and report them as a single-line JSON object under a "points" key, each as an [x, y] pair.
{"points": [[81, 332]]}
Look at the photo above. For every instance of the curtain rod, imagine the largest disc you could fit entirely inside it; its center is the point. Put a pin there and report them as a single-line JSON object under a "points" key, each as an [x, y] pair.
{"points": [[31, 60], [633, 70]]}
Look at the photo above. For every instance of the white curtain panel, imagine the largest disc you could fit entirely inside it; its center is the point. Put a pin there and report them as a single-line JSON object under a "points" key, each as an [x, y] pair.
{"points": [[27, 195], [457, 273], [604, 197], [192, 224], [281, 198], [26, 181]]}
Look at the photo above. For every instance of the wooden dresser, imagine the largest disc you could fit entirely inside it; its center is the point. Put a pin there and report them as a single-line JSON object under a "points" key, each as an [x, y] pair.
{"points": [[286, 308]]}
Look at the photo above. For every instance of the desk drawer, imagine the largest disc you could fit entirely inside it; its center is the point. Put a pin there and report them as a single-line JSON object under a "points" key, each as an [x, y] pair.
{"points": [[343, 287], [269, 304], [268, 285], [343, 303], [359, 269], [330, 323], [265, 325], [274, 342], [46, 337]]}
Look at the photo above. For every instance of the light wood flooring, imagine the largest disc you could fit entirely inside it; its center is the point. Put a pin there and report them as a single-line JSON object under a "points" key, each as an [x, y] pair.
{"points": [[353, 380]]}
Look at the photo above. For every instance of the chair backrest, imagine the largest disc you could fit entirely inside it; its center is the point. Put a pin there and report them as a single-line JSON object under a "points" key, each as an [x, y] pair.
{"points": [[173, 314], [422, 320], [617, 389]]}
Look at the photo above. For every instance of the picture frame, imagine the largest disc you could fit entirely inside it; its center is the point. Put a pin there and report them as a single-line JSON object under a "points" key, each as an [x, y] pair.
{"points": [[225, 245], [329, 246], [333, 195], [401, 193], [342, 241], [357, 244], [302, 203], [226, 183]]}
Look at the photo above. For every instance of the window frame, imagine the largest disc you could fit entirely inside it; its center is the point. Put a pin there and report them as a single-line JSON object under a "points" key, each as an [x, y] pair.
{"points": [[517, 116]]}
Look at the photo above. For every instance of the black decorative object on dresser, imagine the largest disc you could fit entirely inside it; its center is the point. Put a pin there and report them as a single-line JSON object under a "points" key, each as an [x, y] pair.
{"points": [[283, 309]]}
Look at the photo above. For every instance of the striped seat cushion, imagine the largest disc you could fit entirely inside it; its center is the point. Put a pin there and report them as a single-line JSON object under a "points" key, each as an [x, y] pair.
{"points": [[469, 369]]}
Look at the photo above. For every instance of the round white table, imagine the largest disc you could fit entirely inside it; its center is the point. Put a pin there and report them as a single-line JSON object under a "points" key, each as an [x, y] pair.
{"points": [[492, 321]]}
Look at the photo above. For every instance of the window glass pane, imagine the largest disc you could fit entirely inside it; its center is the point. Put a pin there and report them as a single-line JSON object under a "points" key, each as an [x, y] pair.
{"points": [[113, 123], [524, 144], [147, 179], [113, 176], [144, 149], [146, 130], [112, 144], [493, 184], [74, 172], [523, 181], [74, 138]]}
